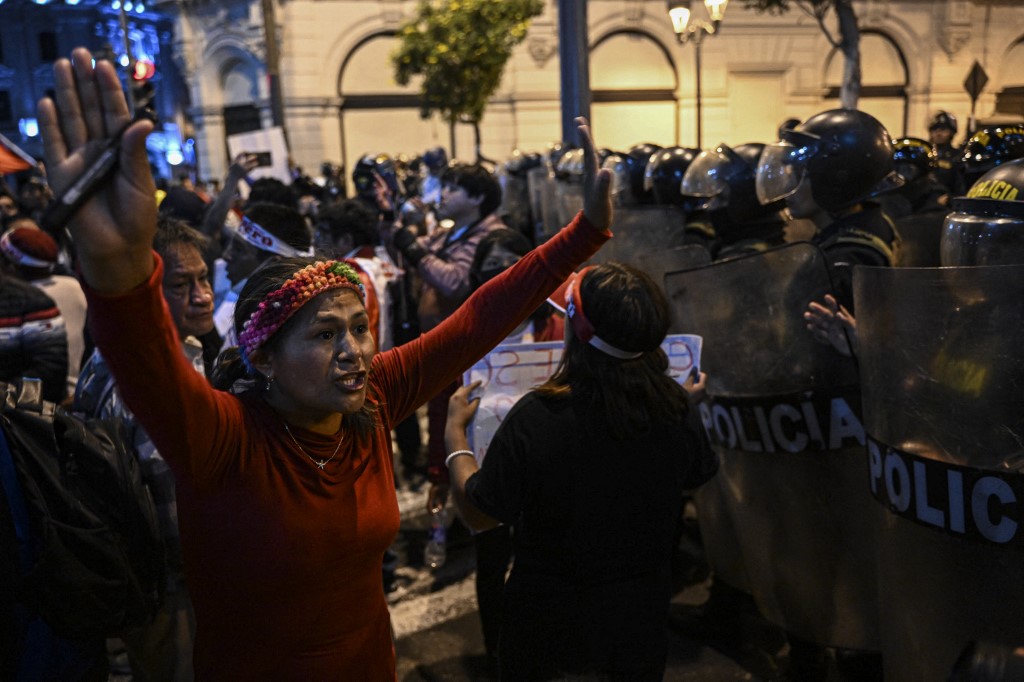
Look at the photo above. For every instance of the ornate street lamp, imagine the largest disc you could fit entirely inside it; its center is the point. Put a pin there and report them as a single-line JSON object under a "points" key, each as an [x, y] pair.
{"points": [[687, 31]]}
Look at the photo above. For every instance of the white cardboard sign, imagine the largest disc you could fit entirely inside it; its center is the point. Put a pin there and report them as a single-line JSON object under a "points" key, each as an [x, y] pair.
{"points": [[509, 371]]}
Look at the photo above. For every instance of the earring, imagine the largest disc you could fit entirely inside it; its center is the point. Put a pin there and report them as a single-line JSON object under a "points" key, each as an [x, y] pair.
{"points": [[266, 386]]}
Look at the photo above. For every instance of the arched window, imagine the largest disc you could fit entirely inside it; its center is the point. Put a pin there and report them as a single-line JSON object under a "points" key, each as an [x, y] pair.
{"points": [[633, 88], [377, 114], [884, 79], [240, 85]]}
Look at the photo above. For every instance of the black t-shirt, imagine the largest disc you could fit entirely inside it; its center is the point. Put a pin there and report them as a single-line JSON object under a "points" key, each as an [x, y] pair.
{"points": [[594, 519]]}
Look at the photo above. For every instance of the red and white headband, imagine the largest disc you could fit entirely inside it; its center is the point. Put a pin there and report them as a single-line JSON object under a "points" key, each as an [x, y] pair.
{"points": [[568, 299], [257, 235]]}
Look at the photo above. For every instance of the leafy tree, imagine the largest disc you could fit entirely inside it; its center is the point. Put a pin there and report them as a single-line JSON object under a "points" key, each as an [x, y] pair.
{"points": [[460, 47], [848, 42]]}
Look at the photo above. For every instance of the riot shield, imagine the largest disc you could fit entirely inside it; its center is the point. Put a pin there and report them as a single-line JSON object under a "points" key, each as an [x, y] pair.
{"points": [[515, 204], [944, 413], [549, 222], [674, 259], [783, 414], [568, 200], [641, 231]]}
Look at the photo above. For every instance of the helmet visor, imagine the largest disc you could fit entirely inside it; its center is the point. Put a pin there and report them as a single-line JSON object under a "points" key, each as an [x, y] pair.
{"points": [[706, 176], [780, 169], [620, 177]]}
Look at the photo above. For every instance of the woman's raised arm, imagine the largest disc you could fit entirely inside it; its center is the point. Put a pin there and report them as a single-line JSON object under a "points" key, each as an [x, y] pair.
{"points": [[113, 230]]}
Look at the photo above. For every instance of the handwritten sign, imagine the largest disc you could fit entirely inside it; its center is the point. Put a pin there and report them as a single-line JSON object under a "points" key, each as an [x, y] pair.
{"points": [[269, 141], [509, 371]]}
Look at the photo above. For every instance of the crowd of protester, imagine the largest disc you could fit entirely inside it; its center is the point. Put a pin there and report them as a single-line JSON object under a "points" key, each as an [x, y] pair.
{"points": [[284, 335]]}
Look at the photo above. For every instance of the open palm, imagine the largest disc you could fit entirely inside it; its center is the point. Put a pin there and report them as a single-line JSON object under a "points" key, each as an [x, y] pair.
{"points": [[113, 230]]}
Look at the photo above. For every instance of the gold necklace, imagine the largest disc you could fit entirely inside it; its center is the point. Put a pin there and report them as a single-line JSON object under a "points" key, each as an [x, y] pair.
{"points": [[319, 462]]}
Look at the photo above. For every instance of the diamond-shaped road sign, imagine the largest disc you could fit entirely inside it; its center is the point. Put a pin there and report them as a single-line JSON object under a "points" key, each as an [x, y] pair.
{"points": [[975, 81]]}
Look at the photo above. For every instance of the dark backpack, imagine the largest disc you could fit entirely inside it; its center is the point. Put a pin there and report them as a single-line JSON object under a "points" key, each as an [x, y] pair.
{"points": [[92, 559]]}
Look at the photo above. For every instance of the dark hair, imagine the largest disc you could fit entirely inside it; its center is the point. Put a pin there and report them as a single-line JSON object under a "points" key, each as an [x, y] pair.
{"points": [[267, 278], [172, 232], [513, 240], [287, 224], [273, 191], [477, 181], [350, 217], [629, 311]]}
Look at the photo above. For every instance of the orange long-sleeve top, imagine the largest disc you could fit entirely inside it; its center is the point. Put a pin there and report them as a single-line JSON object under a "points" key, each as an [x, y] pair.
{"points": [[283, 560]]}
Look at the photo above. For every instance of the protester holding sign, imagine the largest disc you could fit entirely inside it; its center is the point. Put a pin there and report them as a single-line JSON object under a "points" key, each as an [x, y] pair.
{"points": [[590, 469], [285, 493]]}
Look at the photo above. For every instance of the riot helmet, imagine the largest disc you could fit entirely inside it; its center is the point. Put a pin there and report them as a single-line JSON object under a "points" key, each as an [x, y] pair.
{"points": [[570, 166], [641, 155], [990, 147], [725, 177], [522, 162], [986, 227], [943, 119], [846, 155], [912, 157], [368, 164], [664, 174], [788, 124], [621, 166]]}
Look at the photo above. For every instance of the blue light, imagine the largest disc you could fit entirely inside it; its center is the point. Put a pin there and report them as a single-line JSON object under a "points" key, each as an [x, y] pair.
{"points": [[72, 2], [174, 156], [116, 5], [29, 127], [140, 8], [128, 6], [124, 60]]}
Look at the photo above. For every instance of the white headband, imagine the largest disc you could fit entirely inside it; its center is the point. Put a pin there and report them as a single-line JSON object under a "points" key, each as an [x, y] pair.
{"points": [[257, 235]]}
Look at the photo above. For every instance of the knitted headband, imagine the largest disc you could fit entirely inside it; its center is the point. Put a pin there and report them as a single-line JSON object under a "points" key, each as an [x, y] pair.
{"points": [[30, 247], [582, 327], [280, 304], [257, 235]]}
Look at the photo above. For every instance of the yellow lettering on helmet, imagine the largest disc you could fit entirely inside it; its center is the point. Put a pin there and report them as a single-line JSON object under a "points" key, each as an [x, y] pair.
{"points": [[993, 189]]}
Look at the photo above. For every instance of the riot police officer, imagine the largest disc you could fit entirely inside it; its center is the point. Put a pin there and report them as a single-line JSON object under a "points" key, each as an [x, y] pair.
{"points": [[723, 179], [941, 131], [988, 148], [919, 207], [986, 227], [828, 169]]}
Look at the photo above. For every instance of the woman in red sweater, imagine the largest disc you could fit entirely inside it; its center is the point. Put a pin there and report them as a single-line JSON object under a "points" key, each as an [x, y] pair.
{"points": [[285, 493]]}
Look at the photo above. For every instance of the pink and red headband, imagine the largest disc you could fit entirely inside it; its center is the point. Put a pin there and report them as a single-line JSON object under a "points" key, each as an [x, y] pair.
{"points": [[280, 304]]}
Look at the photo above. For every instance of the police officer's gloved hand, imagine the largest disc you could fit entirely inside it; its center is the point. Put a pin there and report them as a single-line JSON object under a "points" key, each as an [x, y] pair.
{"points": [[405, 241]]}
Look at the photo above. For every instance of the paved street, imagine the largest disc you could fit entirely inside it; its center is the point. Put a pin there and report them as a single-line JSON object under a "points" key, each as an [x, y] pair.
{"points": [[438, 630]]}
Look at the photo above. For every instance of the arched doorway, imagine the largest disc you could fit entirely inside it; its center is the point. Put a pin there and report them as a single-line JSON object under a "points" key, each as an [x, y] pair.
{"points": [[1010, 100], [884, 80], [377, 114], [633, 87]]}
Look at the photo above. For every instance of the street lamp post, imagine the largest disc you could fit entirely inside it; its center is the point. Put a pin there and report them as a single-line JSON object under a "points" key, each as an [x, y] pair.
{"points": [[695, 32]]}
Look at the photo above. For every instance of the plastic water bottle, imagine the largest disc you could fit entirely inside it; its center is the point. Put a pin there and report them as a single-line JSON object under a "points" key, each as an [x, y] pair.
{"points": [[435, 553]]}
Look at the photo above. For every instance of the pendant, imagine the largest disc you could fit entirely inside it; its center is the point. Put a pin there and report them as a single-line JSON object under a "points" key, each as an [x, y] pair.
{"points": [[322, 463]]}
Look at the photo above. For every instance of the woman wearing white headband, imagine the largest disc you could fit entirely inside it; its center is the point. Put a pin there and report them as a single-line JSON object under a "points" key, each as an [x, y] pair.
{"points": [[590, 469], [286, 495]]}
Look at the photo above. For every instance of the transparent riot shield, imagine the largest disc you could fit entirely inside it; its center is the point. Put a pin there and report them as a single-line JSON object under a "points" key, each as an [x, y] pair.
{"points": [[942, 368], [515, 204], [673, 259], [783, 412], [536, 180], [568, 200], [549, 221], [641, 231]]}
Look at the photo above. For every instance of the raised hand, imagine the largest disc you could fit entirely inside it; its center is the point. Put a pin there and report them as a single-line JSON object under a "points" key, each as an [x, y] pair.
{"points": [[833, 325], [113, 230], [597, 198]]}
